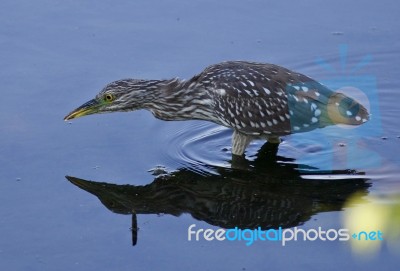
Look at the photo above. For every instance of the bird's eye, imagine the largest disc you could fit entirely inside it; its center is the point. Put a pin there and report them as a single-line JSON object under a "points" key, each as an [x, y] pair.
{"points": [[108, 97]]}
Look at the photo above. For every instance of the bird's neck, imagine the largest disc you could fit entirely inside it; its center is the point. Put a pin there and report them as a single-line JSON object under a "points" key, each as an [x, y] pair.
{"points": [[180, 100]]}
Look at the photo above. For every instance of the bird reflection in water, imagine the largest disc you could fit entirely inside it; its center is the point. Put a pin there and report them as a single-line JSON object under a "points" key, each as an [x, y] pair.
{"points": [[268, 192]]}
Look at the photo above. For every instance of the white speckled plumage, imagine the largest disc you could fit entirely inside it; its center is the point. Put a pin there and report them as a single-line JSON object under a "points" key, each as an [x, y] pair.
{"points": [[256, 100]]}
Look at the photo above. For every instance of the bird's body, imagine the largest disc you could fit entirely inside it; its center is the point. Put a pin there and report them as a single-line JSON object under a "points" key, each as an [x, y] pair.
{"points": [[256, 100]]}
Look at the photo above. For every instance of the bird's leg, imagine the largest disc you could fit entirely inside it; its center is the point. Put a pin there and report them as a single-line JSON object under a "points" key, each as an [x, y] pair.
{"points": [[274, 139], [239, 142], [239, 162]]}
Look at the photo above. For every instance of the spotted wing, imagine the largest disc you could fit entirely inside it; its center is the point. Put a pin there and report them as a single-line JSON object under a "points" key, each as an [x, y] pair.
{"points": [[263, 99]]}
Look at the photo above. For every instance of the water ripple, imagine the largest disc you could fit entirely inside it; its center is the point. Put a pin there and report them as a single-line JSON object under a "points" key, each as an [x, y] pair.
{"points": [[201, 144]]}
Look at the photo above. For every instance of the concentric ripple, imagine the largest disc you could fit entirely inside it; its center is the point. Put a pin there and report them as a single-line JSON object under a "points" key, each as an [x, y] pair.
{"points": [[204, 146], [201, 144]]}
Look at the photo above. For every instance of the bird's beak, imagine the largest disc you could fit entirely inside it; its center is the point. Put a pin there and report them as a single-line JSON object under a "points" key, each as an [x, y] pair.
{"points": [[91, 107]]}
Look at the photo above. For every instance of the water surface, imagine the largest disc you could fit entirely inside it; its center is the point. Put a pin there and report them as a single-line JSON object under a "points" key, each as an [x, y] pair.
{"points": [[57, 55]]}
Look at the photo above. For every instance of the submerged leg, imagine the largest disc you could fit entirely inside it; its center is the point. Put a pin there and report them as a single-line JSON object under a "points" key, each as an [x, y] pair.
{"points": [[239, 142], [268, 153]]}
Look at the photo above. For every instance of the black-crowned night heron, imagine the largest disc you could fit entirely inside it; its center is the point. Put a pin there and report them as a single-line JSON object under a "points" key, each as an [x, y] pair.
{"points": [[256, 100]]}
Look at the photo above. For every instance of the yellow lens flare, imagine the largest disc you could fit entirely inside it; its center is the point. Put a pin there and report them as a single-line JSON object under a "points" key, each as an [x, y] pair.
{"points": [[373, 222]]}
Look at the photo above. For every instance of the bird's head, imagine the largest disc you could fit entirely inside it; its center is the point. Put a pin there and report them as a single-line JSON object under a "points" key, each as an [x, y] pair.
{"points": [[121, 95]]}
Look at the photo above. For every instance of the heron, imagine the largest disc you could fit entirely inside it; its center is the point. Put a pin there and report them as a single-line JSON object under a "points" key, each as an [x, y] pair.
{"points": [[256, 100]]}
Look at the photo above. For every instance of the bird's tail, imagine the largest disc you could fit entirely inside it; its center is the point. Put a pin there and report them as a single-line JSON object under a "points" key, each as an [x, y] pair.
{"points": [[341, 109]]}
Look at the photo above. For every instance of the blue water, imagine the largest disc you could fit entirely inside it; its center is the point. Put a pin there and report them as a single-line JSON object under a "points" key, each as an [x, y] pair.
{"points": [[56, 55]]}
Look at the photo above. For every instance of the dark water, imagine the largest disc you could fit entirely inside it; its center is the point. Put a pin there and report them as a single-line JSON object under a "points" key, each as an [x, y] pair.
{"points": [[57, 55]]}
